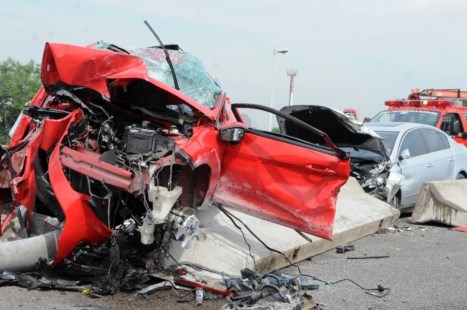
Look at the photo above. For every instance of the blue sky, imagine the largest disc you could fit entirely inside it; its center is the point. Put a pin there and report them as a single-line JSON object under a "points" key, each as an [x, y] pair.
{"points": [[351, 53]]}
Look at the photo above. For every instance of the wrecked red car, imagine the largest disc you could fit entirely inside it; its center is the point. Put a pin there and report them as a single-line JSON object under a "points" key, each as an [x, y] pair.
{"points": [[117, 140]]}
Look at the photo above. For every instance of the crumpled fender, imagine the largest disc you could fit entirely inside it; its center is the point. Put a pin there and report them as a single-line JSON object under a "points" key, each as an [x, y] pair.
{"points": [[208, 152], [81, 223]]}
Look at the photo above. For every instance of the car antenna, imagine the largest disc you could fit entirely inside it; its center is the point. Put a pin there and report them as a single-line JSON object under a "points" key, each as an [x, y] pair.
{"points": [[167, 57]]}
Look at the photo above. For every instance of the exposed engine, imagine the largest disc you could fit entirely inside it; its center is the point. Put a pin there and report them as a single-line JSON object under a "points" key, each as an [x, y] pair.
{"points": [[371, 175], [126, 164]]}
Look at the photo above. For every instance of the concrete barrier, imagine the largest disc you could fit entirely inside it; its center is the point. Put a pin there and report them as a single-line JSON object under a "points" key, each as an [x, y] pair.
{"points": [[443, 201], [227, 249]]}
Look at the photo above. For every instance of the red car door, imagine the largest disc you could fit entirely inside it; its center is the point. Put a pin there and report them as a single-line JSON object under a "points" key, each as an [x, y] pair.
{"points": [[284, 180]]}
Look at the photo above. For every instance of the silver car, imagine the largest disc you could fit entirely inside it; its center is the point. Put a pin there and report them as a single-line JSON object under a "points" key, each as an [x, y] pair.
{"points": [[419, 153]]}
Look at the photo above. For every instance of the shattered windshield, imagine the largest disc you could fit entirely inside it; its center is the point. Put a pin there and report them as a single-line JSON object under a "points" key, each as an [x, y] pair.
{"points": [[407, 116], [193, 79]]}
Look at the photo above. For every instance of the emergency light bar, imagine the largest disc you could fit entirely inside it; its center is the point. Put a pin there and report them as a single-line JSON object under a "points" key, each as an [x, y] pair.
{"points": [[394, 103], [419, 103], [439, 103]]}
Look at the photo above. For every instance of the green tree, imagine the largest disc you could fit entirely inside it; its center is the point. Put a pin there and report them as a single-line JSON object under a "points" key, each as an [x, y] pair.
{"points": [[18, 84]]}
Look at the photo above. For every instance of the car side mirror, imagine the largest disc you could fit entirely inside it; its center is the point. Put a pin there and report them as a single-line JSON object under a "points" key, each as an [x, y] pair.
{"points": [[405, 154], [232, 132]]}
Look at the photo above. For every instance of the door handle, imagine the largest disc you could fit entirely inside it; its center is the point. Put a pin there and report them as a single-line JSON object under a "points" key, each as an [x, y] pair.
{"points": [[319, 170], [451, 160], [429, 165]]}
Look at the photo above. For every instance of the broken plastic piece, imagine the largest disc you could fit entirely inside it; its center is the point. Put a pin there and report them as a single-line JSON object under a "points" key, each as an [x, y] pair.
{"points": [[188, 229], [147, 231], [199, 296], [163, 201], [345, 248]]}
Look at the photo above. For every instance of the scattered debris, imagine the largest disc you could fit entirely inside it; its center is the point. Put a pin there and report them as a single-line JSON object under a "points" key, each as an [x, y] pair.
{"points": [[368, 257], [268, 291], [380, 291], [395, 229], [459, 228], [345, 248]]}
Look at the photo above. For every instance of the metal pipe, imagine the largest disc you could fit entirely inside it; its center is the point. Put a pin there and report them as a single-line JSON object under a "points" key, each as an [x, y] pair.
{"points": [[22, 255]]}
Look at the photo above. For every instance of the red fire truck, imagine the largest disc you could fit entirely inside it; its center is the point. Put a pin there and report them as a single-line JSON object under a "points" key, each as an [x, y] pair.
{"points": [[443, 108]]}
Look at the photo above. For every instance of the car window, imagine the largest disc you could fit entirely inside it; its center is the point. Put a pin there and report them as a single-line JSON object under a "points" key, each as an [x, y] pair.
{"points": [[452, 124], [435, 140], [414, 142], [389, 137], [267, 122], [445, 141]]}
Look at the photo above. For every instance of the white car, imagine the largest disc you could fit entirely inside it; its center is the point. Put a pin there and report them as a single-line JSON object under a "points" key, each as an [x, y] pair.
{"points": [[420, 153]]}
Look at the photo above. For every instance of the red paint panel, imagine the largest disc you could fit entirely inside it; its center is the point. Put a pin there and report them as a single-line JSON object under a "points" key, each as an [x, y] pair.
{"points": [[283, 183]]}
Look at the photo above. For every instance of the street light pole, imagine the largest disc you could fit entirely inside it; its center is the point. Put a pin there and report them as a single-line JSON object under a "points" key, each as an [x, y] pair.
{"points": [[271, 102]]}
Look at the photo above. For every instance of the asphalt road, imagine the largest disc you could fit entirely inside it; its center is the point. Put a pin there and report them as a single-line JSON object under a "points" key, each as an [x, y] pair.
{"points": [[425, 268]]}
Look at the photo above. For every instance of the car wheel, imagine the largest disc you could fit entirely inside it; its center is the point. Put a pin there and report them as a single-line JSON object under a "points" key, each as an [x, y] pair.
{"points": [[460, 176]]}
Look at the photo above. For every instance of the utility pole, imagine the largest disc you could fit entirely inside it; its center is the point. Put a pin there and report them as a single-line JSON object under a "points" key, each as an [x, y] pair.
{"points": [[292, 73], [271, 99]]}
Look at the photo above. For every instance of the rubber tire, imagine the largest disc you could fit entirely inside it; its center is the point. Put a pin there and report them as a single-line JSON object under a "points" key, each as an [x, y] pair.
{"points": [[460, 176]]}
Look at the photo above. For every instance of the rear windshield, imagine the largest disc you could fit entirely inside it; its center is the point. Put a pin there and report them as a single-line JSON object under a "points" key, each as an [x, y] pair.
{"points": [[407, 116]]}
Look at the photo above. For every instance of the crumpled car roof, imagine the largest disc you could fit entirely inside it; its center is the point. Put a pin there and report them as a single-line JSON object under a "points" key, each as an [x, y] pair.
{"points": [[98, 69]]}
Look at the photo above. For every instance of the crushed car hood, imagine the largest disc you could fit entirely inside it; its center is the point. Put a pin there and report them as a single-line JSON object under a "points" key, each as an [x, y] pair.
{"points": [[342, 130], [101, 69]]}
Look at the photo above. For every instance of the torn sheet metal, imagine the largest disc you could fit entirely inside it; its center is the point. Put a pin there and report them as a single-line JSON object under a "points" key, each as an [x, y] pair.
{"points": [[393, 184]]}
